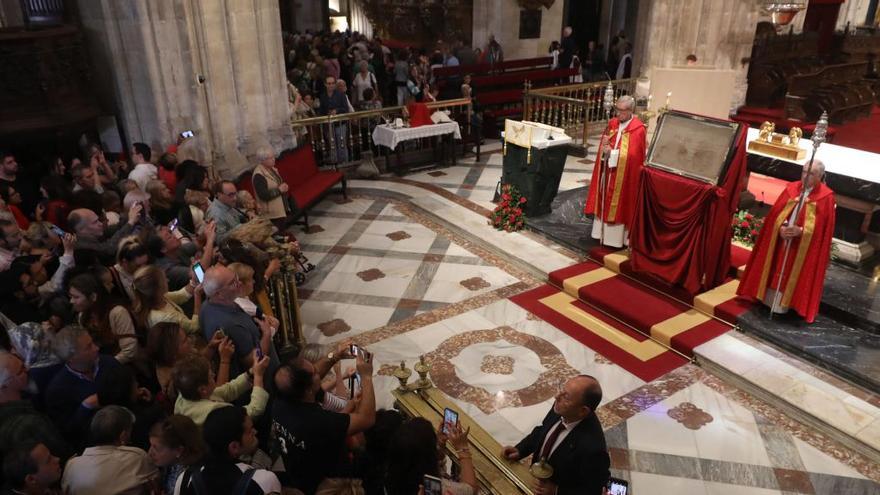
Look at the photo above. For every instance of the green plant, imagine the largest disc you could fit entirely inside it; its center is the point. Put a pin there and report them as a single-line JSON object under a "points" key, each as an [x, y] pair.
{"points": [[508, 215]]}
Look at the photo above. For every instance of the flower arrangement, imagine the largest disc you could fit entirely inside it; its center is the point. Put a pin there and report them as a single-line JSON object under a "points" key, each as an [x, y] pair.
{"points": [[746, 227], [508, 215]]}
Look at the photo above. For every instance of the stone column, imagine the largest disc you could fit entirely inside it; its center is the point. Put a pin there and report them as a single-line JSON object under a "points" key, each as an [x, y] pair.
{"points": [[854, 12], [719, 33], [216, 68]]}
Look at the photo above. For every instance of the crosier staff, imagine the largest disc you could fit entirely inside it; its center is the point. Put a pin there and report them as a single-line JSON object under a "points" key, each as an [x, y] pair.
{"points": [[607, 105], [819, 135]]}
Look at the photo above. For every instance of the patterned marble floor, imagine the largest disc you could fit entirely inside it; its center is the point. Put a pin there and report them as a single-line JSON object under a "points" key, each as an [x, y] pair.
{"points": [[405, 285]]}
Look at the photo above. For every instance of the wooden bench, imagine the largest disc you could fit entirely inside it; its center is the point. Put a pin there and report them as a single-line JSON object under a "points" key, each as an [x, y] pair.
{"points": [[504, 95], [307, 183], [444, 73]]}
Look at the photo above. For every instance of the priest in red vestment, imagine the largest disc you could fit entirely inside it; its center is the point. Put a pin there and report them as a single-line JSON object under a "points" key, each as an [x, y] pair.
{"points": [[808, 229], [624, 142]]}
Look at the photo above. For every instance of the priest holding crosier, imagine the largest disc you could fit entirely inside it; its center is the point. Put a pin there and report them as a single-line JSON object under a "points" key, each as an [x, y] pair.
{"points": [[787, 267], [615, 181]]}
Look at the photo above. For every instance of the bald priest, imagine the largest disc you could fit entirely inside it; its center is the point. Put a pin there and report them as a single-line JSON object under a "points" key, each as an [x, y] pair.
{"points": [[807, 230]]}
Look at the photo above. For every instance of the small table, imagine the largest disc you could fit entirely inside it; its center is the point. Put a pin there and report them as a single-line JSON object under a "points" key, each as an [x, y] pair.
{"points": [[390, 137]]}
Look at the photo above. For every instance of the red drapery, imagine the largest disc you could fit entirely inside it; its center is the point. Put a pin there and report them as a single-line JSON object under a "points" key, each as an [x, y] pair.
{"points": [[682, 227]]}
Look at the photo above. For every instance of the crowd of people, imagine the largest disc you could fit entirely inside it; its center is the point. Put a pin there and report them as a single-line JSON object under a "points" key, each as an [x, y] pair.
{"points": [[137, 352], [367, 74]]}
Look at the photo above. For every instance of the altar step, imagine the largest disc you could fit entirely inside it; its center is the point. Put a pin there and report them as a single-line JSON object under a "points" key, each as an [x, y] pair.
{"points": [[843, 402]]}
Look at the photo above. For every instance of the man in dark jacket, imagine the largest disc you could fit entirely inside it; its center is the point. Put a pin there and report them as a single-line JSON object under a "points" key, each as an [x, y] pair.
{"points": [[571, 441]]}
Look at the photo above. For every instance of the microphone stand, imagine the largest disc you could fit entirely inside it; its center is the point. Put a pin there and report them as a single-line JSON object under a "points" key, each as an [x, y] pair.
{"points": [[818, 138]]}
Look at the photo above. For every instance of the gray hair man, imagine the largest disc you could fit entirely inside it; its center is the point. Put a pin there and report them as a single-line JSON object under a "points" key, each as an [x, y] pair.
{"points": [[252, 337], [110, 466]]}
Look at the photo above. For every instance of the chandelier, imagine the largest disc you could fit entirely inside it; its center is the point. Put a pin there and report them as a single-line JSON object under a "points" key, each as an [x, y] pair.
{"points": [[783, 12]]}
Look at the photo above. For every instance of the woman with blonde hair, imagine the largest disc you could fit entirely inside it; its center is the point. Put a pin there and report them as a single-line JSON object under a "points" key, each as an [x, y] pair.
{"points": [[250, 298], [154, 304]]}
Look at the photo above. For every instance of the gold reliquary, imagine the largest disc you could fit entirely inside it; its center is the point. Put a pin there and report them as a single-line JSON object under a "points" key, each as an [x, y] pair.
{"points": [[779, 145]]}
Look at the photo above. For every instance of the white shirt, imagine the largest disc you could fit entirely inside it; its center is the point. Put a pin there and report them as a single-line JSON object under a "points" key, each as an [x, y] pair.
{"points": [[143, 173], [620, 128], [564, 433]]}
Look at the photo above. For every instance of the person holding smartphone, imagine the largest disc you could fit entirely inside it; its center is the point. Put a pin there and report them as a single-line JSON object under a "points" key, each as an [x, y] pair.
{"points": [[414, 454], [311, 440]]}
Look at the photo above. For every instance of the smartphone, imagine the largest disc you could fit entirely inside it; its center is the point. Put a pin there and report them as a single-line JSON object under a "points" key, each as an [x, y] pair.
{"points": [[259, 313], [57, 230], [617, 486], [354, 383], [450, 417], [172, 225], [199, 271], [259, 352], [186, 134], [433, 485], [354, 350], [221, 332]]}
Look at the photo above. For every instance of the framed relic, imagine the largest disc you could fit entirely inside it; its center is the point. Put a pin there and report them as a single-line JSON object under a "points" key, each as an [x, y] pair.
{"points": [[693, 146]]}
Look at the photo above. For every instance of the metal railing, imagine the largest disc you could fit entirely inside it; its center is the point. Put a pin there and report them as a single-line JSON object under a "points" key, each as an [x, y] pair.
{"points": [[577, 108], [341, 140]]}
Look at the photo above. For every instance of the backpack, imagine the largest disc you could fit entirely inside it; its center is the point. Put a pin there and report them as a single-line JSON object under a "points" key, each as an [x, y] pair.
{"points": [[194, 474]]}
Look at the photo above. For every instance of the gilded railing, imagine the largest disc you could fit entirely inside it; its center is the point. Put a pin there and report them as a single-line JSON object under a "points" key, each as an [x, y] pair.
{"points": [[577, 108], [285, 303], [342, 139]]}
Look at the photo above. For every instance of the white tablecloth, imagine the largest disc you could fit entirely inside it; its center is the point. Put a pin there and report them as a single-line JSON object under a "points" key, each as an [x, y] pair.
{"points": [[384, 135]]}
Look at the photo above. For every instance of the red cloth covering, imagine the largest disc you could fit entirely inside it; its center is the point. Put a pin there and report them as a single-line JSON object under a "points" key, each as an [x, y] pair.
{"points": [[805, 266], [419, 114], [620, 198], [681, 229]]}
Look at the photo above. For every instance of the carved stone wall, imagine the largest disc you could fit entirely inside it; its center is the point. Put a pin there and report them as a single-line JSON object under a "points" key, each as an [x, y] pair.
{"points": [[421, 23], [214, 67], [501, 18]]}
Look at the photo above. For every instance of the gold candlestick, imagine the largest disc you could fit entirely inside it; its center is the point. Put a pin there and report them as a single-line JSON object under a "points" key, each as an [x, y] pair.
{"points": [[402, 374], [422, 368]]}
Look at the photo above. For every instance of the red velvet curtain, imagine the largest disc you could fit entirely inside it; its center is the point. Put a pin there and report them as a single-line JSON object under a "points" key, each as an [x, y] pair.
{"points": [[682, 227]]}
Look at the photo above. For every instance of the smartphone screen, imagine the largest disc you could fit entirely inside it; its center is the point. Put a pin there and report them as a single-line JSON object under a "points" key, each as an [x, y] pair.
{"points": [[57, 230], [186, 134], [433, 485], [354, 350], [617, 486], [172, 225], [199, 271], [354, 383], [450, 417]]}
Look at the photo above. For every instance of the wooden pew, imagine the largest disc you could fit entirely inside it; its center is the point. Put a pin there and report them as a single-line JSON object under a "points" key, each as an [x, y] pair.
{"points": [[837, 89], [501, 96]]}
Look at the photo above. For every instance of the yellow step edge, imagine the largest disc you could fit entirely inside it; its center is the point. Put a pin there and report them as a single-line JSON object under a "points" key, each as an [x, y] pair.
{"points": [[571, 285], [707, 301], [614, 260], [678, 324]]}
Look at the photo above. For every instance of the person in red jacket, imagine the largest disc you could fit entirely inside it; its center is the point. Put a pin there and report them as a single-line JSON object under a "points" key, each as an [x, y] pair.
{"points": [[805, 232], [624, 142]]}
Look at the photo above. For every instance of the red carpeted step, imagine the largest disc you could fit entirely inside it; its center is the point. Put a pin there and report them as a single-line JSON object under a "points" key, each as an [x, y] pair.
{"points": [[632, 302], [739, 256], [730, 310], [646, 370], [704, 332], [558, 277]]}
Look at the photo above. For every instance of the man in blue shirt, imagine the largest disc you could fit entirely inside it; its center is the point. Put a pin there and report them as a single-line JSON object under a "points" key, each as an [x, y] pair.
{"points": [[334, 102]]}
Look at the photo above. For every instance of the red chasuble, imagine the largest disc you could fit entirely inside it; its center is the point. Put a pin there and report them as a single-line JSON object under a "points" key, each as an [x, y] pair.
{"points": [[621, 182], [807, 258]]}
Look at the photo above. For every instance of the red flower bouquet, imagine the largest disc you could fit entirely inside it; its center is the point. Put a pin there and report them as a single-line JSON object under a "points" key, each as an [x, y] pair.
{"points": [[508, 215]]}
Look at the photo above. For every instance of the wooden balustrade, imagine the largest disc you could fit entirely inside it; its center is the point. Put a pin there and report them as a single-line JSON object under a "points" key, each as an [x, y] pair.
{"points": [[356, 129], [577, 108]]}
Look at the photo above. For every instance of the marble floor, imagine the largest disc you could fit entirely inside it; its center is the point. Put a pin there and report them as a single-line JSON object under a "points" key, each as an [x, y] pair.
{"points": [[408, 267]]}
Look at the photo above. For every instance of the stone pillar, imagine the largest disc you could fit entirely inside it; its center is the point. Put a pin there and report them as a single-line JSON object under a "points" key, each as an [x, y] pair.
{"points": [[10, 14], [216, 68], [854, 12], [719, 33]]}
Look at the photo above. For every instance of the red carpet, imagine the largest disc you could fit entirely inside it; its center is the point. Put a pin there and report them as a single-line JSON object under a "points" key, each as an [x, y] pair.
{"points": [[635, 322], [861, 134]]}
